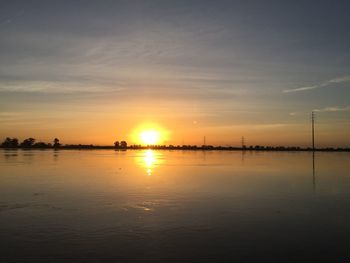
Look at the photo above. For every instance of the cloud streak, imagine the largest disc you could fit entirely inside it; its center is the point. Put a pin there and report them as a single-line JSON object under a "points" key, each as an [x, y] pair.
{"points": [[324, 84], [333, 109], [52, 87], [301, 89]]}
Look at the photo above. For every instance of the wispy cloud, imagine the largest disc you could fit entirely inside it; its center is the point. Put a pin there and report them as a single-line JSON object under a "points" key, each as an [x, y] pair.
{"points": [[340, 80], [258, 126], [301, 89], [52, 87], [332, 109], [324, 84]]}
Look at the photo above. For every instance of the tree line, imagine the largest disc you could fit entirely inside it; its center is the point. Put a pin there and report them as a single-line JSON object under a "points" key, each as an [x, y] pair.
{"points": [[29, 143], [122, 145], [32, 143]]}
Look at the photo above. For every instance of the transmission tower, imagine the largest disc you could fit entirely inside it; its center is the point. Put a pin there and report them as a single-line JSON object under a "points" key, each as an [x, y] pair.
{"points": [[313, 130], [243, 142]]}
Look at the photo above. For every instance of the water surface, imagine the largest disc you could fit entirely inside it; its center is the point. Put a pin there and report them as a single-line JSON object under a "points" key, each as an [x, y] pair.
{"points": [[173, 206]]}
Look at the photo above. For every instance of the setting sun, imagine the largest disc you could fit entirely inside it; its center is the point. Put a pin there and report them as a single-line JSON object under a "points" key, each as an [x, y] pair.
{"points": [[149, 137], [149, 133]]}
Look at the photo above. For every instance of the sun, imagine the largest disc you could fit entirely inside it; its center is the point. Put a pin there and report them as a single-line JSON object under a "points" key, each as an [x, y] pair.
{"points": [[150, 137], [149, 133]]}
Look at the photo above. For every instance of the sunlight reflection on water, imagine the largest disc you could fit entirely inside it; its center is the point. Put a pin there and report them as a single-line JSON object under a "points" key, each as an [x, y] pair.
{"points": [[150, 159]]}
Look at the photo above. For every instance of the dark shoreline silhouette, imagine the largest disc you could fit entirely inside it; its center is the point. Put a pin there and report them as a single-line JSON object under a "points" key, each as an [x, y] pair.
{"points": [[30, 143], [185, 147]]}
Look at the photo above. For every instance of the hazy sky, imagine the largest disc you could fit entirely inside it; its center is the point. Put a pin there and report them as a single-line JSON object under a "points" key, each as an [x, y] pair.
{"points": [[97, 71]]}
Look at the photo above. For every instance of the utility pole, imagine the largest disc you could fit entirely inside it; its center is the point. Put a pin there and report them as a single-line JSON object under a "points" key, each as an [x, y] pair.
{"points": [[243, 142], [313, 130]]}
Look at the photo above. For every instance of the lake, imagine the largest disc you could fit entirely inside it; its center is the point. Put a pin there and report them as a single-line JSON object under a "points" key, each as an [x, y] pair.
{"points": [[174, 206]]}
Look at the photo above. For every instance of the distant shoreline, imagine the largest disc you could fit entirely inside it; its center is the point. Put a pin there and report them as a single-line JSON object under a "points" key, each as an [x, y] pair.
{"points": [[182, 148]]}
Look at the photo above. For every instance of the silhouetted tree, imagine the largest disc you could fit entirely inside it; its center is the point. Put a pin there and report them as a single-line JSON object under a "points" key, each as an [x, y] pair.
{"points": [[123, 144], [40, 145], [56, 143], [116, 144], [10, 143], [28, 142]]}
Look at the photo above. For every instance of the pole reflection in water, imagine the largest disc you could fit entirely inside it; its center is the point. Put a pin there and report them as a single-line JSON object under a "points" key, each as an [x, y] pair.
{"points": [[313, 171], [243, 157]]}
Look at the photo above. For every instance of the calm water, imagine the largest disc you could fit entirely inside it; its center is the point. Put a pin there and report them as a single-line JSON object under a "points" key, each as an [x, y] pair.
{"points": [[173, 206]]}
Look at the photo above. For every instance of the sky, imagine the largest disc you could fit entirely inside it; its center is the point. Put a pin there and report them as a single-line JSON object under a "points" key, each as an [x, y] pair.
{"points": [[99, 71]]}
